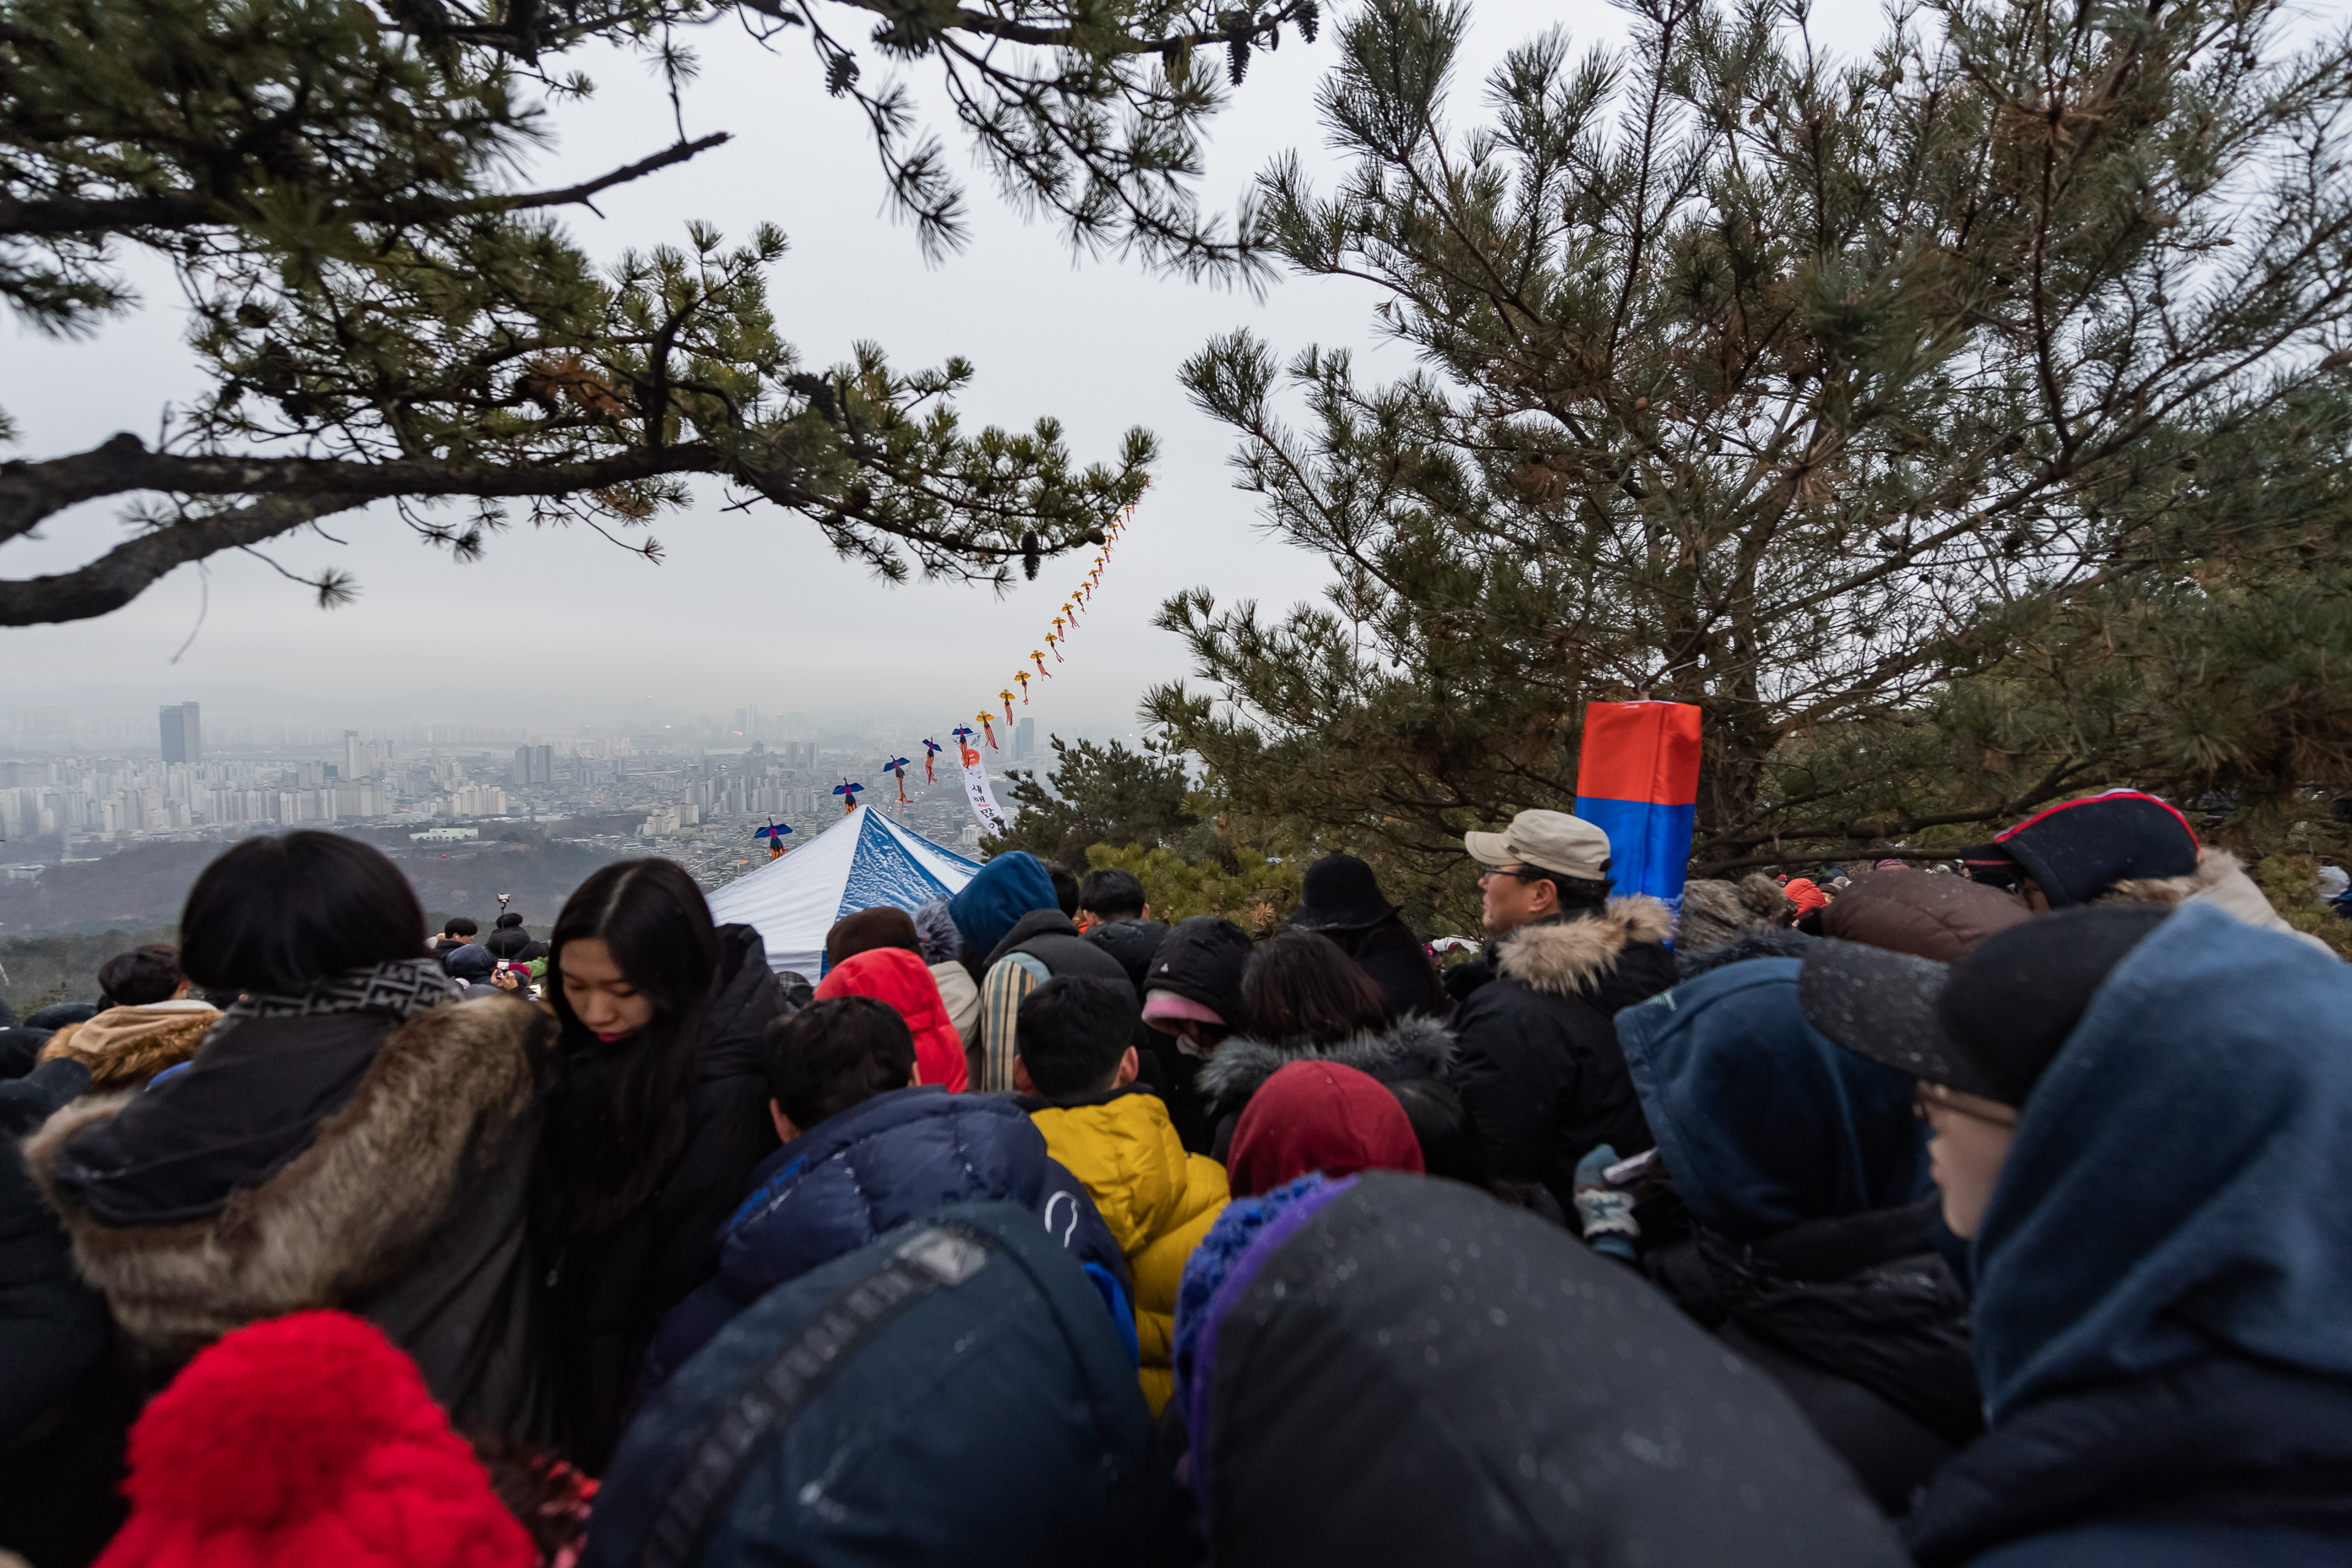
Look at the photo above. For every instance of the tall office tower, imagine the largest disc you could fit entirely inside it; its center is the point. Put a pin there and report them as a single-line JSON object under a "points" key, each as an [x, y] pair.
{"points": [[1024, 740], [183, 734], [355, 758]]}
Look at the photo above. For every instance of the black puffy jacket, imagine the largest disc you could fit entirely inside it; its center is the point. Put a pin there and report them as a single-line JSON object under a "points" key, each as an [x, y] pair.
{"points": [[1417, 1374], [2221, 1441], [1535, 1056], [1860, 1319], [65, 1404]]}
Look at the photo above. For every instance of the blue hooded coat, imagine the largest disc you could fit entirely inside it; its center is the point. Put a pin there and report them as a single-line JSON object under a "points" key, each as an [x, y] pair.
{"points": [[895, 1158], [1762, 1122], [2164, 1275], [1803, 1169], [1007, 888]]}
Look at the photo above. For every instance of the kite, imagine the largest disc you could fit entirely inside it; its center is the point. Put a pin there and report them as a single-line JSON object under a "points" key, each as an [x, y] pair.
{"points": [[986, 728], [931, 748], [1039, 654], [1024, 679], [848, 794], [898, 766], [1006, 695], [774, 833], [1055, 644]]}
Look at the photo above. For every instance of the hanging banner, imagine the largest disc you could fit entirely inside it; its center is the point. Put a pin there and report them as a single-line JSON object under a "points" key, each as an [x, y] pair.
{"points": [[975, 789], [1637, 781]]}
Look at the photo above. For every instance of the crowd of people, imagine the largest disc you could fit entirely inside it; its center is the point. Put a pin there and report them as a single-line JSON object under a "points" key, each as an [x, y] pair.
{"points": [[1978, 1211]]}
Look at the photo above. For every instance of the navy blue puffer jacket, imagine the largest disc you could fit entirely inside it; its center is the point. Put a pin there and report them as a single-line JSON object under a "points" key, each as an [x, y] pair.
{"points": [[898, 1157]]}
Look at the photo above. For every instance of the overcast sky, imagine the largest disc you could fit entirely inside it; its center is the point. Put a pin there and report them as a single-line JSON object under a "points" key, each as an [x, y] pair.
{"points": [[751, 606]]}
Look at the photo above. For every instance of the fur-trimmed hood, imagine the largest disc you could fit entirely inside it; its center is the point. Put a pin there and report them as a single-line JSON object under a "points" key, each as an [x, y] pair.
{"points": [[125, 1047], [2221, 881], [432, 1111], [1566, 957], [1413, 1047]]}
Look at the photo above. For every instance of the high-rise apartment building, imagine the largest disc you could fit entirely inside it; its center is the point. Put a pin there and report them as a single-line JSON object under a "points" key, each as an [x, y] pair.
{"points": [[534, 765], [184, 735], [357, 764]]}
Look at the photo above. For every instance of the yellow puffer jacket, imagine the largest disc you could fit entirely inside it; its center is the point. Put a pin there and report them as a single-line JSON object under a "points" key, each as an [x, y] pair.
{"points": [[1158, 1201]]}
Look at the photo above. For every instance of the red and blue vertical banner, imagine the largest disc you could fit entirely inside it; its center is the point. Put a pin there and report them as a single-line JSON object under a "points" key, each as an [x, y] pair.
{"points": [[1637, 781]]}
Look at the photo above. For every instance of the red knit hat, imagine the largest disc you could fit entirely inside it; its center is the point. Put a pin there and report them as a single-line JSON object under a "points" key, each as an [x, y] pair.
{"points": [[307, 1441], [1318, 1116]]}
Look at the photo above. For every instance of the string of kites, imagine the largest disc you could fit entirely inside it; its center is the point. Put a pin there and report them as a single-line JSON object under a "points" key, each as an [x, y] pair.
{"points": [[1065, 624]]}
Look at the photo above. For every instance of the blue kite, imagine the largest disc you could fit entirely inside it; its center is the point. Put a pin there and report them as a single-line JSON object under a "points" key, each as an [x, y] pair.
{"points": [[848, 794]]}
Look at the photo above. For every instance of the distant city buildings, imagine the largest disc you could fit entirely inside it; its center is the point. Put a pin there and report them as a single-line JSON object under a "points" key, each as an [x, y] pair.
{"points": [[82, 786]]}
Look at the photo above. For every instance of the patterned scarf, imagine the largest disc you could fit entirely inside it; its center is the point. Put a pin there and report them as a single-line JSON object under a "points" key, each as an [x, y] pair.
{"points": [[403, 987]]}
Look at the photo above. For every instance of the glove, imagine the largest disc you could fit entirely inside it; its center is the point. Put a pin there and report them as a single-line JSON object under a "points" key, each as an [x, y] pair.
{"points": [[1605, 1212]]}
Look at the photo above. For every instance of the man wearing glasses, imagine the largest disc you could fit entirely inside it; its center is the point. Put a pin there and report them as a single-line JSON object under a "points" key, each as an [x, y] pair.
{"points": [[1537, 1060]]}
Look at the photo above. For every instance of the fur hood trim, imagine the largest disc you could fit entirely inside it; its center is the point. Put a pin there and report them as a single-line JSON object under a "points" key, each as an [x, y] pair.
{"points": [[2220, 880], [382, 1175], [125, 1047], [2214, 869], [1562, 957], [1237, 1069]]}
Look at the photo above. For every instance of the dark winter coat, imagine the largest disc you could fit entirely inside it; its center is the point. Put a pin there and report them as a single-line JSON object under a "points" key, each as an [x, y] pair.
{"points": [[2162, 1272], [952, 1392], [65, 1404], [898, 1157], [1415, 1373], [1409, 1048], [613, 1287], [353, 1161], [1051, 938], [1397, 963], [1535, 1057], [1802, 1170]]}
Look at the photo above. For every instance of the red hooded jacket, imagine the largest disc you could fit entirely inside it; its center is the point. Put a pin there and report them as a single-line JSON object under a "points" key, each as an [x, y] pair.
{"points": [[893, 975], [1318, 1116]]}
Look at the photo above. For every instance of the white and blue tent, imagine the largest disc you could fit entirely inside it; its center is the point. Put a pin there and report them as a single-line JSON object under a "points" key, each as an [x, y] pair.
{"points": [[862, 861]]}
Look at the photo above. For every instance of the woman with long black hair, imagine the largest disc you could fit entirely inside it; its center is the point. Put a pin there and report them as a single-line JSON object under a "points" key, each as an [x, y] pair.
{"points": [[659, 1113]]}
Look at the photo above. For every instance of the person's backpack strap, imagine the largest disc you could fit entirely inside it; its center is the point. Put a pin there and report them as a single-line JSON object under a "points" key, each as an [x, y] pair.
{"points": [[935, 1256]]}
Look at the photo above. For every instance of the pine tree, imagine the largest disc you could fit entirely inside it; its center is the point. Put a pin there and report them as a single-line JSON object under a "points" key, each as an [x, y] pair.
{"points": [[1959, 426], [1100, 794], [385, 317]]}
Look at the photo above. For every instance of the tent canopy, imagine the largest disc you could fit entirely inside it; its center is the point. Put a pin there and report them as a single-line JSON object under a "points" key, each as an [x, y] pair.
{"points": [[861, 862]]}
